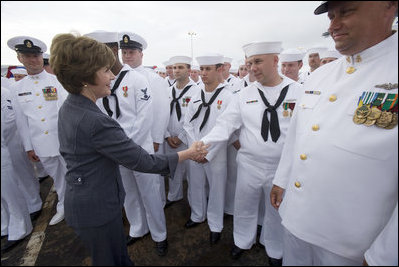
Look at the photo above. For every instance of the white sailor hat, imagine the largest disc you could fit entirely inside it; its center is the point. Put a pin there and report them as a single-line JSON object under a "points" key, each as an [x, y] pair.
{"points": [[27, 44], [291, 55], [166, 63], [132, 41], [241, 62], [233, 70], [195, 67], [160, 69], [21, 71], [317, 49], [331, 52], [180, 59], [227, 60], [261, 48], [103, 36], [210, 59]]}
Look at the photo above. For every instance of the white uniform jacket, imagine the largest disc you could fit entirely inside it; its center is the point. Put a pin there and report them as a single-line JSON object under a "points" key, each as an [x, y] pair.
{"points": [[160, 105], [135, 98], [175, 127], [37, 101], [341, 178], [246, 112], [217, 108]]}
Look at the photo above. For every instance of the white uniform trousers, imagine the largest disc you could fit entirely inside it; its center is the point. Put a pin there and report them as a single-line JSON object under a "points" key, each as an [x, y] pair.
{"points": [[300, 253], [143, 204], [272, 229], [39, 169], [231, 179], [25, 175], [56, 168], [215, 172], [176, 182], [252, 182], [15, 219]]}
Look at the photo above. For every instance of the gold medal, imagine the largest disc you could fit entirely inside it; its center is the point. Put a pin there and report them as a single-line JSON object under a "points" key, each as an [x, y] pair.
{"points": [[374, 114], [357, 120], [369, 122], [286, 113], [362, 112], [394, 122], [384, 120]]}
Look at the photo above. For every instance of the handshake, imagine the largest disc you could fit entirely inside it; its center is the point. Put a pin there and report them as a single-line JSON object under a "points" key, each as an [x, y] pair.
{"points": [[197, 152]]}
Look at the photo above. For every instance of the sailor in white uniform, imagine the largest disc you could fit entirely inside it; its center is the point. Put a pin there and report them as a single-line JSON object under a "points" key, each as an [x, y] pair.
{"points": [[262, 112], [329, 56], [38, 98], [203, 110], [180, 95], [170, 78], [313, 61], [132, 54], [339, 167], [291, 63], [15, 220]]}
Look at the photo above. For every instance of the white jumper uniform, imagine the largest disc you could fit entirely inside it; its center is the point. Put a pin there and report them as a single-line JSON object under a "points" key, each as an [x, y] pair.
{"points": [[160, 108], [340, 177], [15, 219], [143, 204], [214, 171], [175, 128], [257, 160], [37, 101]]}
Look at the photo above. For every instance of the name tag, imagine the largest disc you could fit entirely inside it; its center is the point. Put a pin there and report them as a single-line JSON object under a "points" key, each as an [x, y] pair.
{"points": [[25, 93]]}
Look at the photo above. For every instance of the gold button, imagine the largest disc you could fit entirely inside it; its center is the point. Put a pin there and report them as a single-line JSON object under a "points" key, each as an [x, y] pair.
{"points": [[43, 119], [303, 156], [315, 127], [39, 107], [332, 98], [36, 82], [297, 184], [37, 94], [350, 70], [46, 132]]}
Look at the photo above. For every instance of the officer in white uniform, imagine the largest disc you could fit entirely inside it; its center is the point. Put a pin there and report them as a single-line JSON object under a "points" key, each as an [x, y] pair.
{"points": [[132, 54], [15, 220], [339, 167], [291, 63], [130, 103], [180, 95], [38, 98], [265, 106], [203, 110]]}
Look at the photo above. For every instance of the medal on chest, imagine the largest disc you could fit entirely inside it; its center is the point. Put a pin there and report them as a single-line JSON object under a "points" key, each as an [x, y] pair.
{"points": [[124, 89], [50, 93], [380, 109], [219, 106]]}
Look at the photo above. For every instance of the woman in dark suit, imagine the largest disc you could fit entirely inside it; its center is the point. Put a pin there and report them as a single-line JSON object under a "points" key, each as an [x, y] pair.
{"points": [[94, 145]]}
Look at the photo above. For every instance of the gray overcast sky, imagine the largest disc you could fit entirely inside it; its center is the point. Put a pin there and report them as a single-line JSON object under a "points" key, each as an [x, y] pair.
{"points": [[220, 26]]}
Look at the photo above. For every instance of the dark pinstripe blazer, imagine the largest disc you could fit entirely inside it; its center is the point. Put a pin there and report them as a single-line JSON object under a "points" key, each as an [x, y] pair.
{"points": [[93, 146]]}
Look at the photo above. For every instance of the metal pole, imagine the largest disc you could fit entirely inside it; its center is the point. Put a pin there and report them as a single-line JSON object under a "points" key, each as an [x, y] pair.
{"points": [[192, 49]]}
